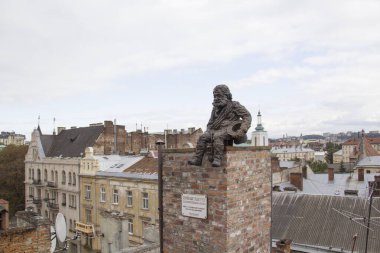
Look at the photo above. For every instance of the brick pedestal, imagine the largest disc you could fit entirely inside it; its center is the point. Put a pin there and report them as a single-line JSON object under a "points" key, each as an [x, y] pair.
{"points": [[239, 202]]}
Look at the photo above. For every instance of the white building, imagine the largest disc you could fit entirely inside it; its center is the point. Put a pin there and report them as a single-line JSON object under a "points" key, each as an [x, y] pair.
{"points": [[52, 166], [293, 153], [259, 137]]}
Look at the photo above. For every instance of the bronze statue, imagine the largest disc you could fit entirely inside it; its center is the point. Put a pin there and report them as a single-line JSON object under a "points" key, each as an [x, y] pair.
{"points": [[229, 122]]}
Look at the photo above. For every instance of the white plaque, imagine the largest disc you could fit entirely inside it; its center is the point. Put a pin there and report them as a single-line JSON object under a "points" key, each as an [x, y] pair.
{"points": [[194, 205]]}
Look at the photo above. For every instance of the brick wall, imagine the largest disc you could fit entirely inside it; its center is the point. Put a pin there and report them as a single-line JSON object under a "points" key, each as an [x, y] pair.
{"points": [[32, 237], [239, 202]]}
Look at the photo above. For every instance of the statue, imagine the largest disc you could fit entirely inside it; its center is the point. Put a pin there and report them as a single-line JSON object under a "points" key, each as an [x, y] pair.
{"points": [[229, 122]]}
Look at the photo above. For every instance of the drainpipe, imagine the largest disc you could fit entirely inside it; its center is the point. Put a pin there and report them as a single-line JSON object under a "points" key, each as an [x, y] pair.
{"points": [[160, 143]]}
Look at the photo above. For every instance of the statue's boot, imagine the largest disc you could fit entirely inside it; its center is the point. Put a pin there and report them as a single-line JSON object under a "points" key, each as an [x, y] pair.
{"points": [[218, 155], [198, 157]]}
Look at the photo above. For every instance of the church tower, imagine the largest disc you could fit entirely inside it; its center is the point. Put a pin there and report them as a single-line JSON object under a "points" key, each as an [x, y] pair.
{"points": [[259, 136]]}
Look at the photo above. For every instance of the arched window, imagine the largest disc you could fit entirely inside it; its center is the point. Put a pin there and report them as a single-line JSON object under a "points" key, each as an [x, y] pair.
{"points": [[69, 177], [56, 177], [52, 176], [39, 175], [32, 173], [74, 179], [45, 175], [63, 177]]}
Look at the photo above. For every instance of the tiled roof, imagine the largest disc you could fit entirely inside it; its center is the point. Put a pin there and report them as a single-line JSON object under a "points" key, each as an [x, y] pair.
{"points": [[71, 142], [315, 220], [356, 141], [147, 165]]}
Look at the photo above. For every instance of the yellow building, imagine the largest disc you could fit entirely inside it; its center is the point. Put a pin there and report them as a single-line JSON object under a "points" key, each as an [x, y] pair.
{"points": [[118, 200]]}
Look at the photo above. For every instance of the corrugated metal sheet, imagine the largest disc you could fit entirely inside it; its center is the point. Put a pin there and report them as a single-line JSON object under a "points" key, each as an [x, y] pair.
{"points": [[312, 220]]}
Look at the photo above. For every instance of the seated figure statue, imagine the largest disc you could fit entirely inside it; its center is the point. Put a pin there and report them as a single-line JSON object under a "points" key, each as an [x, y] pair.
{"points": [[229, 121]]}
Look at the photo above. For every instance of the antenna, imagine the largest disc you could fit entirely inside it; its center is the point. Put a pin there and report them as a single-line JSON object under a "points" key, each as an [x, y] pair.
{"points": [[60, 227], [54, 126], [53, 239]]}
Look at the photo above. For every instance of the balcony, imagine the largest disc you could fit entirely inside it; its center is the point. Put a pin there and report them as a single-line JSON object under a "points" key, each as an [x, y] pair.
{"points": [[51, 184], [37, 201], [37, 182], [52, 205], [84, 228]]}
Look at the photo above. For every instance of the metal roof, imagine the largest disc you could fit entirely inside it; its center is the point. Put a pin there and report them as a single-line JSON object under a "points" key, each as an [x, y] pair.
{"points": [[370, 161], [318, 184], [315, 220], [116, 163]]}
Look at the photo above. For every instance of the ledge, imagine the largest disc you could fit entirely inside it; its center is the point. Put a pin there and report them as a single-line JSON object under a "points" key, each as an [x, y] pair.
{"points": [[228, 148]]}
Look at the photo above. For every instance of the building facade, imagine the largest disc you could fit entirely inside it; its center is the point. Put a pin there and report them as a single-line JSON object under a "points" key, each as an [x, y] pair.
{"points": [[52, 168], [118, 199], [8, 138], [293, 153], [350, 148], [142, 141]]}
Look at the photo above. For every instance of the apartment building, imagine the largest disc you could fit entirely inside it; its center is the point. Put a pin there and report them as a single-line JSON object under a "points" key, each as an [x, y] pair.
{"points": [[118, 200], [52, 168]]}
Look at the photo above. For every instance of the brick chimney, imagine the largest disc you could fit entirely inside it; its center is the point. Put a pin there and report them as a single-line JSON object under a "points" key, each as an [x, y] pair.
{"points": [[275, 164], [284, 245], [360, 174], [331, 174], [296, 179], [304, 171]]}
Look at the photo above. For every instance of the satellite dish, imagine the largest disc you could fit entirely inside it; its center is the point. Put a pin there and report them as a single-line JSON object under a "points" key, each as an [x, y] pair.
{"points": [[60, 227], [53, 239]]}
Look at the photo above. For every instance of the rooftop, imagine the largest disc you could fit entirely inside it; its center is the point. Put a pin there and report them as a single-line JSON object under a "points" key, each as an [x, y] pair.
{"points": [[322, 221]]}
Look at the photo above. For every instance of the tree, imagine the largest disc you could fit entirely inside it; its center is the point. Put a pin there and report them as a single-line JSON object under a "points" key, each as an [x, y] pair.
{"points": [[318, 166], [331, 148], [12, 176]]}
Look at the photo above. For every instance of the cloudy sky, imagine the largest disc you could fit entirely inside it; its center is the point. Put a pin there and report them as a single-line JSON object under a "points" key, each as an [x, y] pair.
{"points": [[310, 66]]}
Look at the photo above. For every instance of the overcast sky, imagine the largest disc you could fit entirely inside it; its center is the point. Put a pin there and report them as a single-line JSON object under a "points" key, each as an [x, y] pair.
{"points": [[310, 66]]}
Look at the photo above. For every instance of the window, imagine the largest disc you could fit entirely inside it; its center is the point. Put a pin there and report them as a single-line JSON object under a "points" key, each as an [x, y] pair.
{"points": [[87, 193], [31, 192], [52, 176], [69, 177], [32, 173], [45, 175], [72, 201], [63, 177], [129, 199], [145, 200], [116, 196], [88, 215], [71, 224], [63, 199], [130, 226], [56, 178], [102, 194], [74, 179]]}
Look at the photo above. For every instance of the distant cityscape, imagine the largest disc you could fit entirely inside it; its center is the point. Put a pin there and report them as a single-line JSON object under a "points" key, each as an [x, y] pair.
{"points": [[104, 179]]}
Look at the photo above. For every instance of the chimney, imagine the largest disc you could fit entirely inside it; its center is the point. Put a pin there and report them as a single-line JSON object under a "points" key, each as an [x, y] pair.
{"points": [[60, 129], [361, 174], [304, 171], [191, 130], [296, 179], [275, 164], [331, 174], [182, 131], [284, 245]]}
